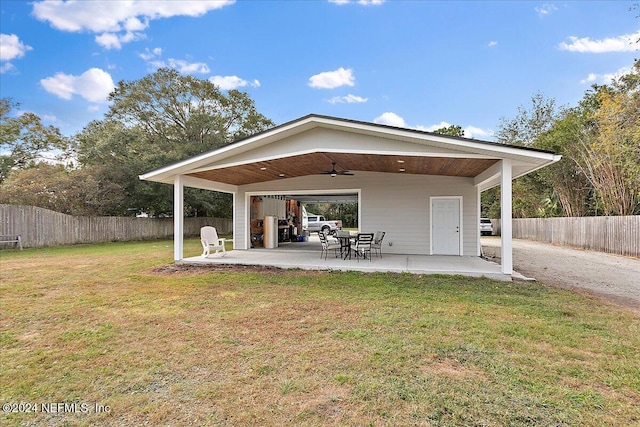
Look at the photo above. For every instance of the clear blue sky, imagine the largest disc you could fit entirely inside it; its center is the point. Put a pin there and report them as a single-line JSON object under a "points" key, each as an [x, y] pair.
{"points": [[419, 64]]}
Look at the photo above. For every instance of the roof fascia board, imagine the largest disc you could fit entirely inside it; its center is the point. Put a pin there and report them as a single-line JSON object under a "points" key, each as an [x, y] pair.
{"points": [[494, 181], [422, 136]]}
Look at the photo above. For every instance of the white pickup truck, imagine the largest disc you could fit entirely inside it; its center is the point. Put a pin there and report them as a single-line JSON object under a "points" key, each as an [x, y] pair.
{"points": [[317, 223]]}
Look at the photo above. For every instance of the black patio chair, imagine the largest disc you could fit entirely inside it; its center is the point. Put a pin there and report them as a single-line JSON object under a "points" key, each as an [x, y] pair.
{"points": [[363, 245]]}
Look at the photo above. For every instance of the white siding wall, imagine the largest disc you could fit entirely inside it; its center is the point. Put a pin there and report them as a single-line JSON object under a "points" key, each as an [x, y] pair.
{"points": [[395, 203]]}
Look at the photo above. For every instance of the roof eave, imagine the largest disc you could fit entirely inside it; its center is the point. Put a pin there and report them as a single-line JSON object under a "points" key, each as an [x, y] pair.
{"points": [[166, 173]]}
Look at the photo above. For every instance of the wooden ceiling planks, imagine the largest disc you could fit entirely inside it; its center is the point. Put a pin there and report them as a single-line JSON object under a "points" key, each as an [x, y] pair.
{"points": [[316, 163]]}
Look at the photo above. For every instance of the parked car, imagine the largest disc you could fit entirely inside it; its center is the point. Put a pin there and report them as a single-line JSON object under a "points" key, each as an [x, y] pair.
{"points": [[318, 223], [486, 228]]}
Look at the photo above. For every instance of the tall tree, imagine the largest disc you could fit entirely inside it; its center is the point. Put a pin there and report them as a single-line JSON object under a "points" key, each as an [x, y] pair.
{"points": [[162, 118], [24, 140], [529, 123], [610, 145], [533, 194], [565, 180], [184, 113]]}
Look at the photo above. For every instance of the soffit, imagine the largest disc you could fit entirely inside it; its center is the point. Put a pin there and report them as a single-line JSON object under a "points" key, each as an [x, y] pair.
{"points": [[316, 163]]}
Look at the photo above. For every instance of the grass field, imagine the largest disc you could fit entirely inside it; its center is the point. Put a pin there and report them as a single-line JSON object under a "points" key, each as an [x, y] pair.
{"points": [[116, 325]]}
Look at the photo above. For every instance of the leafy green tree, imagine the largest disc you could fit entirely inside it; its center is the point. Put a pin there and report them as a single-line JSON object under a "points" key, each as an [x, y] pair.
{"points": [[600, 143], [453, 130], [185, 114], [533, 194], [162, 118], [54, 187], [609, 154], [565, 181], [24, 140], [347, 212], [529, 123]]}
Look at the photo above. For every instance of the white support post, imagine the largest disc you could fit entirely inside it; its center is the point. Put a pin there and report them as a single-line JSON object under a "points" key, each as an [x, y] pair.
{"points": [[178, 218], [506, 217], [479, 213]]}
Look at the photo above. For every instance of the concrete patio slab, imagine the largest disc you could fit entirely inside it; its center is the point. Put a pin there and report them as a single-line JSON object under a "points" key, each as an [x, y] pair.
{"points": [[306, 256]]}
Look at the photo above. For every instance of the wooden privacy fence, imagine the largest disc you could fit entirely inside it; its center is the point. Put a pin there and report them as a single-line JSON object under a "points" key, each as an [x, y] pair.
{"points": [[42, 227], [613, 234]]}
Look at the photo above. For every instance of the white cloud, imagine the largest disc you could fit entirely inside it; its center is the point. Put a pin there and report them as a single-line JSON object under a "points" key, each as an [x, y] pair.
{"points": [[606, 78], [349, 99], [94, 85], [135, 24], [189, 67], [115, 41], [148, 55], [117, 21], [11, 48], [153, 57], [434, 127], [545, 9], [469, 131], [232, 82], [474, 132], [391, 119], [590, 78], [624, 43], [333, 79], [493, 43]]}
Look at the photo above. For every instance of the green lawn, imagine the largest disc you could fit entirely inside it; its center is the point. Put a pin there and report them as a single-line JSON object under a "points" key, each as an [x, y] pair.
{"points": [[106, 324]]}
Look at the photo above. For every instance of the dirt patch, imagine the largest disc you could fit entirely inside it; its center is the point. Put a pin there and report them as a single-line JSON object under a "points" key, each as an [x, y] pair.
{"points": [[170, 269]]}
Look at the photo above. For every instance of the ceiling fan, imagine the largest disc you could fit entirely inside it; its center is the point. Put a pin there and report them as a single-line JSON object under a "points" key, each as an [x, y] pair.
{"points": [[333, 172]]}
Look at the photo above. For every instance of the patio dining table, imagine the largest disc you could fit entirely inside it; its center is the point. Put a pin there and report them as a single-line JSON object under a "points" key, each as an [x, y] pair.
{"points": [[345, 243]]}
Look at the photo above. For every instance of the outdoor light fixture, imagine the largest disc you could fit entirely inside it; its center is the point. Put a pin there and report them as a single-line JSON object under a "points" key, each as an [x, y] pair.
{"points": [[263, 168], [400, 161], [401, 169]]}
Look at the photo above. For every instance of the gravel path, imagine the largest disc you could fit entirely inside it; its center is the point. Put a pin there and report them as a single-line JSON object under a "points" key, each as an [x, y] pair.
{"points": [[612, 277]]}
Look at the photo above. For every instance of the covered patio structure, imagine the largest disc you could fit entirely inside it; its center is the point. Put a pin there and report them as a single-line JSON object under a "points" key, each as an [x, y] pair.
{"points": [[422, 189]]}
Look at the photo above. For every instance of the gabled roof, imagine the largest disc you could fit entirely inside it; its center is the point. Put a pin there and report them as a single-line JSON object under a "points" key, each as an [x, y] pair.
{"points": [[309, 144]]}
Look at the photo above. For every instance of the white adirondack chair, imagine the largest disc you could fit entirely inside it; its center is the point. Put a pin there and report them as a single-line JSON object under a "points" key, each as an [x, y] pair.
{"points": [[210, 240]]}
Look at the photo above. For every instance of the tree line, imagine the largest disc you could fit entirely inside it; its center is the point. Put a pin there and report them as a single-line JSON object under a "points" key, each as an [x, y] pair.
{"points": [[599, 140], [161, 118], [166, 117]]}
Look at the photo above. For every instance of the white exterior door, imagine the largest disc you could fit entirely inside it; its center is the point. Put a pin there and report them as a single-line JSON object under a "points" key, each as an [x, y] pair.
{"points": [[445, 226]]}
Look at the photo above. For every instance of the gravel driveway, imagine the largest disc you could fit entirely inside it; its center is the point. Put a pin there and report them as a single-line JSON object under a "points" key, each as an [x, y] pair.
{"points": [[612, 277]]}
